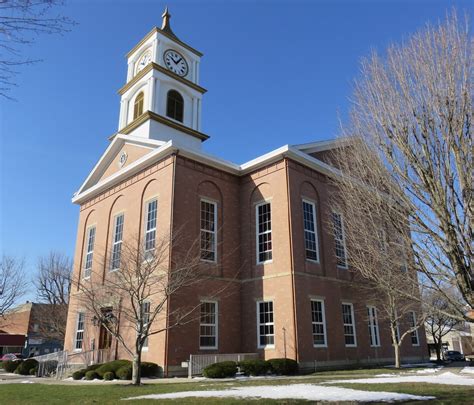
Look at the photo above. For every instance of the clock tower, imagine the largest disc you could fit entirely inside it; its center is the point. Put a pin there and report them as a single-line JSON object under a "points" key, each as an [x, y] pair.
{"points": [[162, 97]]}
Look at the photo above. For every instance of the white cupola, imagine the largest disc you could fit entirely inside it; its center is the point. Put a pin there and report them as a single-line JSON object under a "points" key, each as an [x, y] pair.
{"points": [[162, 97]]}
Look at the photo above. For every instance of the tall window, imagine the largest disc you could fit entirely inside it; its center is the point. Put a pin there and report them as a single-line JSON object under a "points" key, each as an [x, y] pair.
{"points": [[89, 252], [138, 105], [117, 242], [373, 326], [310, 235], [349, 325], [413, 335], [208, 325], [146, 319], [264, 232], [265, 325], [150, 230], [79, 331], [175, 105], [208, 230], [318, 320], [339, 239]]}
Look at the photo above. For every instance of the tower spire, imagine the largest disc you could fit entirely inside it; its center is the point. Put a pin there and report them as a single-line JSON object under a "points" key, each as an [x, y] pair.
{"points": [[165, 25]]}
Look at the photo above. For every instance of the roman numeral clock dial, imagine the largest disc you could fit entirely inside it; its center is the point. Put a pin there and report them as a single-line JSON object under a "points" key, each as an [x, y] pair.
{"points": [[175, 62]]}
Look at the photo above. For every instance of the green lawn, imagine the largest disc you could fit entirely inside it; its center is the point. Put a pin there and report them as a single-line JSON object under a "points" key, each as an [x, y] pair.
{"points": [[99, 393]]}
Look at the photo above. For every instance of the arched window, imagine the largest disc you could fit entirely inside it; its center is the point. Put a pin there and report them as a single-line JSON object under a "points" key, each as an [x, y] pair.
{"points": [[138, 105], [175, 105]]}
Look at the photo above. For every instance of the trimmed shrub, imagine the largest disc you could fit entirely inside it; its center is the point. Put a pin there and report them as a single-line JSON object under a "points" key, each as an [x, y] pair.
{"points": [[223, 369], [11, 366], [283, 366], [93, 367], [109, 376], [254, 367], [79, 374], [150, 369], [26, 365], [92, 375], [112, 366], [33, 370], [124, 373]]}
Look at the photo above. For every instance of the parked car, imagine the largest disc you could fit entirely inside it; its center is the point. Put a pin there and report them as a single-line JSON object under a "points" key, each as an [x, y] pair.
{"points": [[453, 355], [12, 357]]}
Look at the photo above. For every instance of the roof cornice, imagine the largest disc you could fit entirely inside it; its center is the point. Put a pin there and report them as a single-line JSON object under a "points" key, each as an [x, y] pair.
{"points": [[321, 146], [170, 147]]}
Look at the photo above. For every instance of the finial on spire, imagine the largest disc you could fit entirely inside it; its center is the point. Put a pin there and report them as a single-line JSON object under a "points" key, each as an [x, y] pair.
{"points": [[165, 25]]}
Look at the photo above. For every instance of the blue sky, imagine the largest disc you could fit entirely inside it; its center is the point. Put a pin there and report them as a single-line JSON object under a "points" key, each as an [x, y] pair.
{"points": [[277, 72]]}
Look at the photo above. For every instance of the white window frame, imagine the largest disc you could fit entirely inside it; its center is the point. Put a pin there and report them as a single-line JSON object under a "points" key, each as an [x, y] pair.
{"points": [[374, 330], [323, 313], [214, 233], [89, 251], [215, 325], [80, 318], [149, 252], [315, 232], [415, 332], [268, 346], [342, 241], [353, 324], [117, 243], [258, 233], [145, 344]]}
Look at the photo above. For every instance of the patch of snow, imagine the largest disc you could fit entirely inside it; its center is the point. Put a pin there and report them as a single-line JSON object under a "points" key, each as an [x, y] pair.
{"points": [[310, 392], [426, 371], [443, 378], [468, 370]]}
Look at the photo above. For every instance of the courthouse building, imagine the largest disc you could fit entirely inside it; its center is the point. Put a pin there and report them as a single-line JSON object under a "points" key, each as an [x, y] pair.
{"points": [[269, 230]]}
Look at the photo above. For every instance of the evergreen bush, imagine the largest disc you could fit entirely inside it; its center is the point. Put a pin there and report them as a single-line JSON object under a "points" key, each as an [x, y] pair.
{"points": [[224, 369], [254, 367]]}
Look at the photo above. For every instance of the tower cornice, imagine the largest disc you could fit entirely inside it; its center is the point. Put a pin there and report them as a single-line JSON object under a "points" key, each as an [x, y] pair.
{"points": [[150, 115], [156, 30], [161, 69]]}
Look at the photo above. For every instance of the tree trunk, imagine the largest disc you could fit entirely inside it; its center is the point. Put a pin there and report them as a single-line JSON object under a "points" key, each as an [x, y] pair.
{"points": [[438, 350], [396, 348], [136, 369]]}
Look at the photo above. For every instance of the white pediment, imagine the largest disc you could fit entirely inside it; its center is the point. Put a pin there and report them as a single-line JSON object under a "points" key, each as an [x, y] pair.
{"points": [[122, 152]]}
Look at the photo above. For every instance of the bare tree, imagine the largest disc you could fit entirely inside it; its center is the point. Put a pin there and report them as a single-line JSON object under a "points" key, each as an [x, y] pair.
{"points": [[20, 22], [53, 284], [133, 299], [411, 132], [376, 253], [438, 323], [12, 282], [53, 280]]}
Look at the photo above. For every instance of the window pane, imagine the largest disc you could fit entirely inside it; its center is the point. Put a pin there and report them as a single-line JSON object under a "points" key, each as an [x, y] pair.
{"points": [[339, 239], [208, 231], [265, 323], [117, 242], [208, 325], [264, 235], [349, 326], [310, 236]]}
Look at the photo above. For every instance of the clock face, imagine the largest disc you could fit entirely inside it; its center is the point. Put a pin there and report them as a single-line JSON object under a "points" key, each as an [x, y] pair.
{"points": [[144, 60], [175, 62]]}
